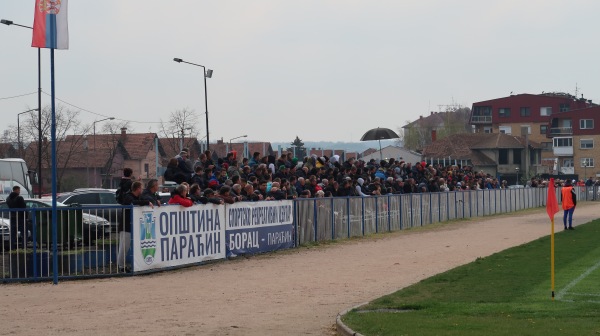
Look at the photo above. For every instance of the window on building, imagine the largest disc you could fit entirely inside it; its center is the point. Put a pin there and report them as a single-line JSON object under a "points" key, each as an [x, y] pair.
{"points": [[503, 156], [565, 107], [504, 112], [482, 110], [528, 129], [147, 169], [487, 129], [517, 156], [586, 143], [586, 123], [563, 142], [546, 146], [543, 129], [505, 129], [587, 162], [545, 111], [525, 112]]}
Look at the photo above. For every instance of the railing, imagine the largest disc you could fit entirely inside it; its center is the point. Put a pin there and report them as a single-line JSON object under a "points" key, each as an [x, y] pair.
{"points": [[481, 119], [88, 242], [554, 131]]}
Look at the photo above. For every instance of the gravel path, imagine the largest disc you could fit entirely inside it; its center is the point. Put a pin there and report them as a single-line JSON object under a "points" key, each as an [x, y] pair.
{"points": [[297, 292]]}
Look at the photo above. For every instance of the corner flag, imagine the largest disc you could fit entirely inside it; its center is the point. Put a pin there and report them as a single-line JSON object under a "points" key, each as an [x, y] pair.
{"points": [[551, 202], [50, 26]]}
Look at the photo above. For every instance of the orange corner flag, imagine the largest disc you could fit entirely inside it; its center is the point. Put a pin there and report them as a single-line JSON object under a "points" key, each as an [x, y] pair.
{"points": [[551, 202]]}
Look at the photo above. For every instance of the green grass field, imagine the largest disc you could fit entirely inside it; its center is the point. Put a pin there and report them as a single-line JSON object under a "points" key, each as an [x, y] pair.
{"points": [[508, 293]]}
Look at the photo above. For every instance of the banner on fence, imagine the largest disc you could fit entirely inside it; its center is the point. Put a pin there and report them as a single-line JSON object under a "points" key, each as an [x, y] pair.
{"points": [[174, 235], [259, 227]]}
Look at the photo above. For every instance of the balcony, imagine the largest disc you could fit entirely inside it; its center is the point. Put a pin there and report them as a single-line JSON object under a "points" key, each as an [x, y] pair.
{"points": [[563, 151], [477, 119], [557, 131]]}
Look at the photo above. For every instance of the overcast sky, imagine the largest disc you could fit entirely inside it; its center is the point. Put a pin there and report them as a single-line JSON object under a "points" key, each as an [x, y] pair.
{"points": [[321, 70]]}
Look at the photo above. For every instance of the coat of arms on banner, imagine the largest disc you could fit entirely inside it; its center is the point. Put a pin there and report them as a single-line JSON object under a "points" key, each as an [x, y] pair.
{"points": [[148, 236], [50, 6]]}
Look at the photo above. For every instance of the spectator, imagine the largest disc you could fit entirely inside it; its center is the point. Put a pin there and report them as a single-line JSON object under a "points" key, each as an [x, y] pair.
{"points": [[180, 197], [150, 193], [17, 218], [130, 198]]}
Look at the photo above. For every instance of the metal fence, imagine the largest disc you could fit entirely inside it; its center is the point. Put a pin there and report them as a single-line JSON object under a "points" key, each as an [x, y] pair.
{"points": [[88, 241], [321, 219]]}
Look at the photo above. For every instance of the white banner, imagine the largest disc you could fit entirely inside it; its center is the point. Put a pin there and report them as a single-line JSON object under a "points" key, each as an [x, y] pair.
{"points": [[173, 235]]}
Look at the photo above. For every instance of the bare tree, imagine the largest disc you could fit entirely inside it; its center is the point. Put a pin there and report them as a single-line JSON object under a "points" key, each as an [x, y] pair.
{"points": [[181, 125], [67, 122]]}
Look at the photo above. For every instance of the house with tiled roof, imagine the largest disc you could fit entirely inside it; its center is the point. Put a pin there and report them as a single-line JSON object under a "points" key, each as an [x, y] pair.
{"points": [[495, 154], [173, 145], [425, 130]]}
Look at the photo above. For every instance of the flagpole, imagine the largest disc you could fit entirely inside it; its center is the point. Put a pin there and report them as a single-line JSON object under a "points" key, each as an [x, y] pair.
{"points": [[53, 151]]}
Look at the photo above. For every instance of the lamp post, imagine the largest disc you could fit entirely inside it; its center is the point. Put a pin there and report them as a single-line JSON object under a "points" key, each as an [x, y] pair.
{"points": [[94, 126], [517, 170], [39, 174], [19, 131], [183, 136], [241, 136], [207, 74]]}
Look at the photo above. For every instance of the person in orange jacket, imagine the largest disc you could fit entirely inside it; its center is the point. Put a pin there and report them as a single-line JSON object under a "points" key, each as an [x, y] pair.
{"points": [[569, 201]]}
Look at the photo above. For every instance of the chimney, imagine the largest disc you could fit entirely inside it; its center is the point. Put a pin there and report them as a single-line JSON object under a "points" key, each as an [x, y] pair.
{"points": [[433, 135], [431, 113], [220, 142], [123, 133], [420, 117]]}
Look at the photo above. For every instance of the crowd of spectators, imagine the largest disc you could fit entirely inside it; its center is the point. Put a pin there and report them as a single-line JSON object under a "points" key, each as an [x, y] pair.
{"points": [[228, 180]]}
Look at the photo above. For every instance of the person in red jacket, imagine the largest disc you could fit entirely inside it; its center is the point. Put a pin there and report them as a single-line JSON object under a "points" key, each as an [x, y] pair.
{"points": [[569, 201], [180, 197]]}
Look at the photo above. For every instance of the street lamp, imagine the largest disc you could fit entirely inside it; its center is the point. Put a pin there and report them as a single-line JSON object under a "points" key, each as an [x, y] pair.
{"points": [[94, 126], [207, 74], [19, 131], [517, 170], [183, 136], [8, 23], [241, 136]]}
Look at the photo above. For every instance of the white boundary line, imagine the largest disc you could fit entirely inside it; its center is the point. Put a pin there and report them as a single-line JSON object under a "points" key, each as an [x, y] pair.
{"points": [[571, 284]]}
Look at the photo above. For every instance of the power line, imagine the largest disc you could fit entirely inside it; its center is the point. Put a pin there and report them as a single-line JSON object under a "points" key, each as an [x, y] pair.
{"points": [[23, 95], [102, 115]]}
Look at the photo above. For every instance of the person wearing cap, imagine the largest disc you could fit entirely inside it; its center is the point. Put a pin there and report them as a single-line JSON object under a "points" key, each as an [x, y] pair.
{"points": [[569, 201]]}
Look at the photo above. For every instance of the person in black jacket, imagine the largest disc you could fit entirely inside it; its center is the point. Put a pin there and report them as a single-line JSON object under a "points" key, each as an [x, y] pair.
{"points": [[130, 198], [17, 218], [125, 183], [150, 193]]}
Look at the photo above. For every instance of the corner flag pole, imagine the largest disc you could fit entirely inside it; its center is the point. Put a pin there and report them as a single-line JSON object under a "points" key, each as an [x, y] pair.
{"points": [[552, 256], [551, 209]]}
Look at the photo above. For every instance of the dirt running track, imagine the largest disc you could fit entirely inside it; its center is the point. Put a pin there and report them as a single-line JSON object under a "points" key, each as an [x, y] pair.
{"points": [[296, 292]]}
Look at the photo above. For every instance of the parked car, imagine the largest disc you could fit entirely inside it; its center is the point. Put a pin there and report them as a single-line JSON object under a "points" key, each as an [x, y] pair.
{"points": [[164, 197], [91, 226], [94, 197]]}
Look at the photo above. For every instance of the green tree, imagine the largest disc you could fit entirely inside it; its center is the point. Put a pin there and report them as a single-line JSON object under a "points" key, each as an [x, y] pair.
{"points": [[298, 148]]}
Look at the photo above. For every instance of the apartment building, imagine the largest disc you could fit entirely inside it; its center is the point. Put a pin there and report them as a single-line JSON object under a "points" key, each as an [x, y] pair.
{"points": [[542, 115], [574, 135]]}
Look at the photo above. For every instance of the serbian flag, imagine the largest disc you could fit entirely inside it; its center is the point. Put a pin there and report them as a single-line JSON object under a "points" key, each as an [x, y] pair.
{"points": [[50, 27], [551, 202]]}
